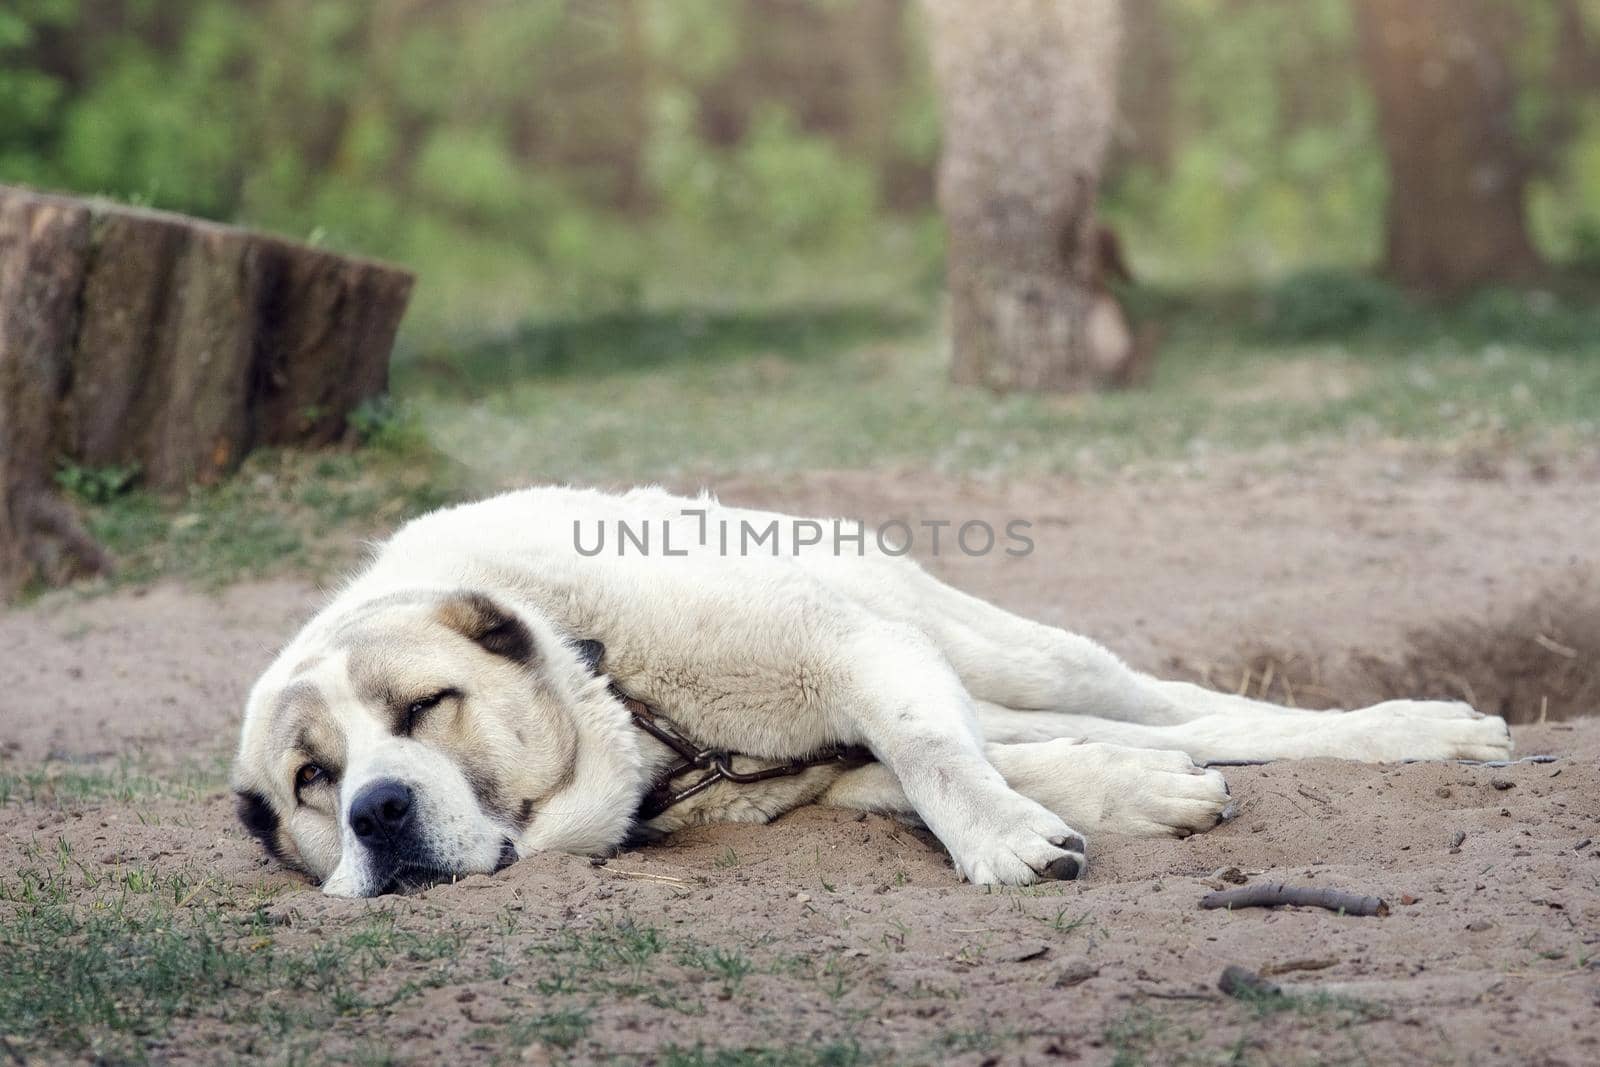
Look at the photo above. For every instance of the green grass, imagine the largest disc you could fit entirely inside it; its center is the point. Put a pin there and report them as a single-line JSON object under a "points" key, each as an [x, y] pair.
{"points": [[123, 780], [1224, 384], [103, 962], [1252, 1028], [831, 1054], [281, 511], [690, 396]]}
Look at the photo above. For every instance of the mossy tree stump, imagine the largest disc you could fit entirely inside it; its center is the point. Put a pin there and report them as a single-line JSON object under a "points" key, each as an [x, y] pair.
{"points": [[148, 340]]}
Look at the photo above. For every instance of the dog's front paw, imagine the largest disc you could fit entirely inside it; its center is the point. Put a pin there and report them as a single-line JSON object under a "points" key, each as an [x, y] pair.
{"points": [[1024, 845]]}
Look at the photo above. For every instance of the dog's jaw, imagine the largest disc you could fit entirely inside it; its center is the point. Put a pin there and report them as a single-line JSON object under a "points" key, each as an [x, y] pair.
{"points": [[594, 813]]}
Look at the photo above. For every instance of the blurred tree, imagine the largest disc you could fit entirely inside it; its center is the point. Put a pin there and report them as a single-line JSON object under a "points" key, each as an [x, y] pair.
{"points": [[1145, 131], [1441, 72], [1028, 89]]}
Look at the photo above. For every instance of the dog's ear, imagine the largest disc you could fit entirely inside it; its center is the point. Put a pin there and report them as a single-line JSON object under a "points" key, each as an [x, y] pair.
{"points": [[494, 627], [260, 820], [592, 653]]}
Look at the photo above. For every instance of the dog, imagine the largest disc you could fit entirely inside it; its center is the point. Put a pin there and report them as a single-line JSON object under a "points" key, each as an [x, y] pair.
{"points": [[491, 685]]}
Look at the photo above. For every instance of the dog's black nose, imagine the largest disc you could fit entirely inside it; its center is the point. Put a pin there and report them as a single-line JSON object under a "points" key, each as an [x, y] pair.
{"points": [[381, 813]]}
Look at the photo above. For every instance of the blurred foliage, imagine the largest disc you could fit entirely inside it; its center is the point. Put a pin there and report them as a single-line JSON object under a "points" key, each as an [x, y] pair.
{"points": [[550, 155], [1322, 304], [546, 153]]}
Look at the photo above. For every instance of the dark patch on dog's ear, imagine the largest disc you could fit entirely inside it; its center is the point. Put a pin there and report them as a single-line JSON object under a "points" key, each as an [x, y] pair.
{"points": [[478, 618], [640, 836], [261, 821], [591, 652]]}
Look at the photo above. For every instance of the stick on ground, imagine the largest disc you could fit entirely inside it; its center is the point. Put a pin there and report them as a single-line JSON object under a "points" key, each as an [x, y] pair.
{"points": [[1276, 894]]}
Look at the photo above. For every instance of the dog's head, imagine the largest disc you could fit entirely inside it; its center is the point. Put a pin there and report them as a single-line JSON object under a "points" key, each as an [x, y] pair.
{"points": [[418, 736]]}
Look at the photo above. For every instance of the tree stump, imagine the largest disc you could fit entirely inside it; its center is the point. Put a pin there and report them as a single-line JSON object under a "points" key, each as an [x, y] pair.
{"points": [[143, 339]]}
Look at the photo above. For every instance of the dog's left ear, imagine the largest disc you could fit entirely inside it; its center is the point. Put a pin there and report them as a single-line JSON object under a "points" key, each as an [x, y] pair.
{"points": [[592, 653], [494, 627]]}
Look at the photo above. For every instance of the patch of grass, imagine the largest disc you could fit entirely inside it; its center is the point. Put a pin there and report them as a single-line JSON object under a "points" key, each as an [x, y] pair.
{"points": [[726, 966], [124, 780], [282, 510], [634, 341], [1219, 386], [1268, 1002], [559, 1029], [1131, 1037], [104, 964], [96, 485], [832, 1054]]}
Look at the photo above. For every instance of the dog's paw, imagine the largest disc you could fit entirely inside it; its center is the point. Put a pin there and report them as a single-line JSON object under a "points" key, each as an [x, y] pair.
{"points": [[1421, 730], [1151, 793], [1020, 843]]}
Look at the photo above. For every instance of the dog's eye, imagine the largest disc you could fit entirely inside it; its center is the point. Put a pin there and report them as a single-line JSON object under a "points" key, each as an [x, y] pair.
{"points": [[417, 708], [309, 774]]}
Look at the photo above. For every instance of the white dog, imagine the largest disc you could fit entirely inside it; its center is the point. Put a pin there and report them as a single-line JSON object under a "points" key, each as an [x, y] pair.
{"points": [[492, 685]]}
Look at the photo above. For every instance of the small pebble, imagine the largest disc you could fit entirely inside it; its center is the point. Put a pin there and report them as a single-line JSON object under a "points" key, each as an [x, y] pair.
{"points": [[1075, 973]]}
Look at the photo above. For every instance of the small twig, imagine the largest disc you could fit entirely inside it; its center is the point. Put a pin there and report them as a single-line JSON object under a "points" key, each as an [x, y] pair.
{"points": [[1552, 645], [1157, 994], [1312, 794], [646, 876], [191, 894], [1298, 965], [1276, 894]]}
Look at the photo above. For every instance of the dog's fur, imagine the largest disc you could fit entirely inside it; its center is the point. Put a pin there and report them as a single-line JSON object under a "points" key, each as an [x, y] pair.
{"points": [[450, 669]]}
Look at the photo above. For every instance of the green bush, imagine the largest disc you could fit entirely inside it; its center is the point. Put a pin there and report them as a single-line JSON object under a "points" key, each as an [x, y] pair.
{"points": [[1535, 317], [1321, 304]]}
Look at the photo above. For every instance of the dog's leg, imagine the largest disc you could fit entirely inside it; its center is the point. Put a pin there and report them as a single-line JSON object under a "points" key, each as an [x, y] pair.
{"points": [[1010, 661], [1397, 730], [906, 703], [1075, 685], [1004, 658], [1097, 787]]}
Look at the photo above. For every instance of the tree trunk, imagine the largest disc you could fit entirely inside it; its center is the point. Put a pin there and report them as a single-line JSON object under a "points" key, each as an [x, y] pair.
{"points": [[1446, 102], [1145, 131], [141, 339], [1028, 89]]}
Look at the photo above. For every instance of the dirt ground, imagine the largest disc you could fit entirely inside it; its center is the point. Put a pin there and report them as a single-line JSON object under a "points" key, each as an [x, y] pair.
{"points": [[832, 938]]}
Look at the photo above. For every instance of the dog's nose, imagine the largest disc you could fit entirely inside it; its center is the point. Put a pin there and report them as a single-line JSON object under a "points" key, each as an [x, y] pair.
{"points": [[381, 812]]}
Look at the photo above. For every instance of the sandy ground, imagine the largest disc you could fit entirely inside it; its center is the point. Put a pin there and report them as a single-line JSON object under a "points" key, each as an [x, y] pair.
{"points": [[856, 933]]}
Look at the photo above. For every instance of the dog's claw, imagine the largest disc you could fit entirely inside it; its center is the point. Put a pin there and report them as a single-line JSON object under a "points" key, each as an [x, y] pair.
{"points": [[1066, 868], [1070, 843], [1062, 868]]}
